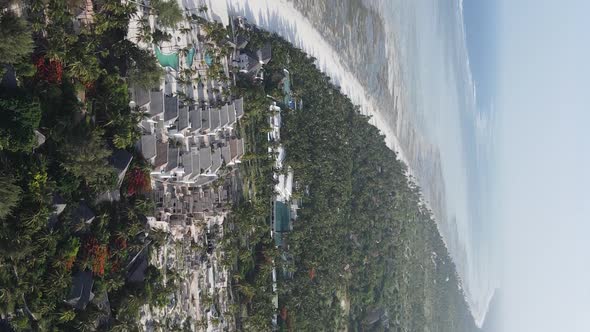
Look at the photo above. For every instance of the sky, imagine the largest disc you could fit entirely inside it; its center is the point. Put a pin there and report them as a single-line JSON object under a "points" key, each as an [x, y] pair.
{"points": [[543, 144], [480, 19]]}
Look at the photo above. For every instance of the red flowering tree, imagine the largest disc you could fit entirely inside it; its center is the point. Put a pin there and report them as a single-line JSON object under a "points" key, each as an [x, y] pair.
{"points": [[120, 242], [49, 70], [96, 255], [70, 253], [69, 263], [138, 181], [117, 247]]}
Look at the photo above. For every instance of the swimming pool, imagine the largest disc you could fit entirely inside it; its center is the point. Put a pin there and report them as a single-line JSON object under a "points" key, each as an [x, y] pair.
{"points": [[167, 60]]}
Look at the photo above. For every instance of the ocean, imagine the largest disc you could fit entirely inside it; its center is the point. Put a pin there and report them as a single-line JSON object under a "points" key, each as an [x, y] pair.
{"points": [[406, 63]]}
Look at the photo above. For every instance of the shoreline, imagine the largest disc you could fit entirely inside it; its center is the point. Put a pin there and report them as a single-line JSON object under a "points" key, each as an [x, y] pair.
{"points": [[281, 17]]}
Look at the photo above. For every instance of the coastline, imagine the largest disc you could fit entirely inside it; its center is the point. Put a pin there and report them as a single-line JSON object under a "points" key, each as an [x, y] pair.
{"points": [[281, 17]]}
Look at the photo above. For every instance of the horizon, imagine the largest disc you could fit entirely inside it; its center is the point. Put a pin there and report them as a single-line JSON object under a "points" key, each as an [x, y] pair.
{"points": [[535, 73]]}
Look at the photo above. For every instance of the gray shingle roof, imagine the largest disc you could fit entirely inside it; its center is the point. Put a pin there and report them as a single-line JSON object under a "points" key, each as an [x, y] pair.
{"points": [[148, 146], [215, 119], [40, 138], [161, 154], [196, 120], [226, 154], [224, 116], [141, 96], [136, 271], [187, 163], [59, 205], [239, 103], [196, 164], [183, 118], [172, 158], [205, 158], [120, 160], [8, 80], [82, 213], [205, 115], [231, 113], [265, 53], [240, 148], [216, 160], [253, 64], [170, 108], [104, 318], [241, 41], [56, 200], [81, 291], [233, 147], [157, 102]]}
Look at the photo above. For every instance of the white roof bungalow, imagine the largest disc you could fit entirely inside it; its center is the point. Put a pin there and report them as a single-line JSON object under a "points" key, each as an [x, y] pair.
{"points": [[275, 123]]}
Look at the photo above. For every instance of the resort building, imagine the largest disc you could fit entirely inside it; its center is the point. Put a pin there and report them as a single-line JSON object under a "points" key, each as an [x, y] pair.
{"points": [[190, 138]]}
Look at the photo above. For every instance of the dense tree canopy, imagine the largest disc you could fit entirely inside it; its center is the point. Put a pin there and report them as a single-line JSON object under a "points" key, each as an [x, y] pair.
{"points": [[72, 89], [15, 38], [168, 11], [87, 159], [10, 194], [18, 120], [144, 70]]}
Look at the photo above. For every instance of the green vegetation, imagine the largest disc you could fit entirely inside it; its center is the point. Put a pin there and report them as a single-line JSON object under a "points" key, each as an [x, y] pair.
{"points": [[144, 70], [87, 161], [10, 194], [169, 13], [364, 252], [247, 245], [71, 88], [20, 118], [15, 38]]}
